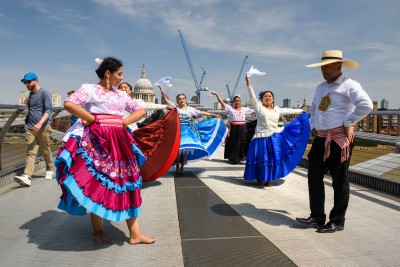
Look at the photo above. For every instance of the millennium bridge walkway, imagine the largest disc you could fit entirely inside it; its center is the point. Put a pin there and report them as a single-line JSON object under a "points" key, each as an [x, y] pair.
{"points": [[209, 216]]}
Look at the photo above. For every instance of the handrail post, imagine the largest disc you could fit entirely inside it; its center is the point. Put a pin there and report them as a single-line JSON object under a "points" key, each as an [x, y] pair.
{"points": [[5, 129], [55, 113]]}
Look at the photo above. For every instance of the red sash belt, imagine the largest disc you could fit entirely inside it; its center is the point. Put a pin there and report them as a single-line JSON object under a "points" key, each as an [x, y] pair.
{"points": [[338, 135], [109, 120], [237, 122]]}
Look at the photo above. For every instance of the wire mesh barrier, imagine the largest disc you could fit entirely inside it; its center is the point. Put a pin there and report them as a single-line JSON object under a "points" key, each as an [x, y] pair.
{"points": [[375, 167], [12, 135]]}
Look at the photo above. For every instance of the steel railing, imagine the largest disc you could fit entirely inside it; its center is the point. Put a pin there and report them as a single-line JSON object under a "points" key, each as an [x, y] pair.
{"points": [[13, 150]]}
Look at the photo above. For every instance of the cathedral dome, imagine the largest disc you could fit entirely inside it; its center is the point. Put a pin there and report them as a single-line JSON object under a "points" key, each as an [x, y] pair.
{"points": [[144, 88]]}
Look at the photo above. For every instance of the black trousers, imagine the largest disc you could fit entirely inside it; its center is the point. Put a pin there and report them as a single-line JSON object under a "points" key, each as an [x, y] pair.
{"points": [[317, 168]]}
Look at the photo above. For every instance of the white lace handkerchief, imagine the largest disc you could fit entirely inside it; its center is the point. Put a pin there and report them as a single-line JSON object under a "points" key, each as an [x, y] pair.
{"points": [[164, 82]]}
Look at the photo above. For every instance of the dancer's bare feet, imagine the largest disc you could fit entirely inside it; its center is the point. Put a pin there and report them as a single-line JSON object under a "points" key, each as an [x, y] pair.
{"points": [[142, 239], [101, 238]]}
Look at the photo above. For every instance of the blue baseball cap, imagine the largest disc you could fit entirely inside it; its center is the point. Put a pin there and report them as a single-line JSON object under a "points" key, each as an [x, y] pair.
{"points": [[29, 77]]}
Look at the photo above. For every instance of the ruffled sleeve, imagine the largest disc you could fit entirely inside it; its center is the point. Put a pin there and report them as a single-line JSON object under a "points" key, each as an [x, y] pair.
{"points": [[81, 96], [287, 111], [254, 101], [132, 105], [248, 111], [171, 104], [193, 111]]}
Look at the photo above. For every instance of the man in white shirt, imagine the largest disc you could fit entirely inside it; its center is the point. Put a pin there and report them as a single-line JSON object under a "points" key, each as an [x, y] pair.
{"points": [[338, 104]]}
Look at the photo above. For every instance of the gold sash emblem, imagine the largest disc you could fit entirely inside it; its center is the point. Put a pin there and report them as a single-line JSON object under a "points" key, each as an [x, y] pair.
{"points": [[325, 102]]}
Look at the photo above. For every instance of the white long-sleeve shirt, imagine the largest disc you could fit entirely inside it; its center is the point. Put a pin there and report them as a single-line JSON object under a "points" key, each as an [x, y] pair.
{"points": [[349, 104], [267, 119]]}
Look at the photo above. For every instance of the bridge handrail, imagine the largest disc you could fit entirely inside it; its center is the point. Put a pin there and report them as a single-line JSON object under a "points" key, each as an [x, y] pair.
{"points": [[13, 115], [379, 138]]}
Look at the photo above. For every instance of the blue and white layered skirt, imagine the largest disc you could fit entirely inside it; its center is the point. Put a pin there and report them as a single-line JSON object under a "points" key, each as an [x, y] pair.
{"points": [[273, 157], [201, 140]]}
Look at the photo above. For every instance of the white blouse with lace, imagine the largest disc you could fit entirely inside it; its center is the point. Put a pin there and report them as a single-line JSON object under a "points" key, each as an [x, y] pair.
{"points": [[267, 119]]}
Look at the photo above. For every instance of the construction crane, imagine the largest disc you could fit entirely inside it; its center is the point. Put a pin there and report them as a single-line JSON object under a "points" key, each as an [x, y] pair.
{"points": [[232, 94], [197, 84]]}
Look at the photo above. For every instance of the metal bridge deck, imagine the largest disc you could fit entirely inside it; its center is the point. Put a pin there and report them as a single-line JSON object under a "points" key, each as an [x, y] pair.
{"points": [[212, 217]]}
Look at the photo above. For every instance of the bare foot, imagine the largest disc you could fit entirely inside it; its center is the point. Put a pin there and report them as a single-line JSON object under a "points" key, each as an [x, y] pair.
{"points": [[101, 238], [142, 239]]}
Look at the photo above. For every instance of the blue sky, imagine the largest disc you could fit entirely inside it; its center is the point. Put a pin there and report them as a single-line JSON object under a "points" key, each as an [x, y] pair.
{"points": [[60, 39]]}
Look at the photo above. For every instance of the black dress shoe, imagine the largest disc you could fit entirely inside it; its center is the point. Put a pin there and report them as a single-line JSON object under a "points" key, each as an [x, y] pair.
{"points": [[330, 227], [311, 222]]}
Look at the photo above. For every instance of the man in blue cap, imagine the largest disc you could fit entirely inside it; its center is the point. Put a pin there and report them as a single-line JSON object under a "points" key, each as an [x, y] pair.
{"points": [[37, 128]]}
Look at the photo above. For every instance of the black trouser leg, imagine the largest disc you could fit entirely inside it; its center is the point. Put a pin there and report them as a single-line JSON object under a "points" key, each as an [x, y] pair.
{"points": [[316, 171], [340, 183]]}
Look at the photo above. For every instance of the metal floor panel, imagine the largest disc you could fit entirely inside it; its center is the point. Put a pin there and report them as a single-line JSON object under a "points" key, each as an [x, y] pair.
{"points": [[34, 233], [214, 234]]}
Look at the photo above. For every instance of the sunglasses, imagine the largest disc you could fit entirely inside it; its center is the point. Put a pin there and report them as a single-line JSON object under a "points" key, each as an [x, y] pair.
{"points": [[28, 82]]}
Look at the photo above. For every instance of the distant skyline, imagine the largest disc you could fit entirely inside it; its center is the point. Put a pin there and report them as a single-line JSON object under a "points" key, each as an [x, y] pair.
{"points": [[59, 41]]}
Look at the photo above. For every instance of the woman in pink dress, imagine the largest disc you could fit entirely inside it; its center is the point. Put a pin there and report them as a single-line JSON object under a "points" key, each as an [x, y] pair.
{"points": [[98, 162]]}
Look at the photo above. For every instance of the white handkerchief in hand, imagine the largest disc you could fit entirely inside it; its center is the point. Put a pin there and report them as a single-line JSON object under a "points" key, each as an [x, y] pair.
{"points": [[164, 82], [210, 93], [254, 71]]}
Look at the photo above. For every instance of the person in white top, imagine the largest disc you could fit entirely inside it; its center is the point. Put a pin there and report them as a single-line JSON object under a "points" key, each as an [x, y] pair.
{"points": [[235, 145], [274, 151], [338, 104], [150, 108], [198, 140]]}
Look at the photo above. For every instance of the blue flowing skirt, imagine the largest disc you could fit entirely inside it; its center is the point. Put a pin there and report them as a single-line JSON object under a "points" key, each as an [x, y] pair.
{"points": [[201, 140], [274, 157]]}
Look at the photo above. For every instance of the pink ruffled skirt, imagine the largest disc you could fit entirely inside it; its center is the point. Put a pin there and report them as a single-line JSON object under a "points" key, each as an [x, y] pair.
{"points": [[99, 171]]}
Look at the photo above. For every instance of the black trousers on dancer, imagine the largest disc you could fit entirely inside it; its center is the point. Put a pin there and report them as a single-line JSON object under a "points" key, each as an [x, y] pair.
{"points": [[317, 168]]}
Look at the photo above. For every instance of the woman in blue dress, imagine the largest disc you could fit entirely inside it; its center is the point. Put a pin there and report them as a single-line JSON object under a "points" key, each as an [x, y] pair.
{"points": [[274, 151], [198, 140]]}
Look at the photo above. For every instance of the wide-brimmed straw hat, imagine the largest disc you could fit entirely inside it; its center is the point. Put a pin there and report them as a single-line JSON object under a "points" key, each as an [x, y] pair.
{"points": [[332, 56]]}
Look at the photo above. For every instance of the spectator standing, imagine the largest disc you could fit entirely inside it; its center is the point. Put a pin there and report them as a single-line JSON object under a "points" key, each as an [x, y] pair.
{"points": [[37, 128]]}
